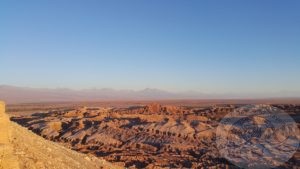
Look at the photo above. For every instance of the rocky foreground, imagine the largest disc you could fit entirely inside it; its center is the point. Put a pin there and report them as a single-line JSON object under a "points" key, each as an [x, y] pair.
{"points": [[152, 136], [20, 148]]}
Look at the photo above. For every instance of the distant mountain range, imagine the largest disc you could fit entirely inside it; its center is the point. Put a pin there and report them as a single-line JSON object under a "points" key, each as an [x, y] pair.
{"points": [[13, 94]]}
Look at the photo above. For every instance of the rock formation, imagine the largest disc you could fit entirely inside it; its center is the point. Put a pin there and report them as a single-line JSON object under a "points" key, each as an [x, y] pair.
{"points": [[142, 136], [151, 136]]}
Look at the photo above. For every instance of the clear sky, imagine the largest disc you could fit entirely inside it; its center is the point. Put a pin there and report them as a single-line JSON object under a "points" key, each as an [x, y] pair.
{"points": [[176, 45]]}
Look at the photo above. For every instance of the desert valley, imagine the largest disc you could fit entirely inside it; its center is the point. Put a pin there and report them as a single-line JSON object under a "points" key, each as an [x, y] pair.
{"points": [[149, 84], [144, 135]]}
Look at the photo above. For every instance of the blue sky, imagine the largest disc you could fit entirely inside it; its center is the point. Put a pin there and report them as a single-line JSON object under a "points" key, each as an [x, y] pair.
{"points": [[208, 46]]}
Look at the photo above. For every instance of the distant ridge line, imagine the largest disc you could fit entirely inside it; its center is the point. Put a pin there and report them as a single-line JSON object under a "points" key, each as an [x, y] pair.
{"points": [[13, 94]]}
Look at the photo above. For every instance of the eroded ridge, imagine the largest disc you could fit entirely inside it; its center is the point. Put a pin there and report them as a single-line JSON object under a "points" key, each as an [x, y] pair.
{"points": [[141, 136], [20, 148]]}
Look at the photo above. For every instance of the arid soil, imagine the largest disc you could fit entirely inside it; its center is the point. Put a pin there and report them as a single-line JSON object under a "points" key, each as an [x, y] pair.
{"points": [[150, 136], [7, 158], [34, 152], [21, 148]]}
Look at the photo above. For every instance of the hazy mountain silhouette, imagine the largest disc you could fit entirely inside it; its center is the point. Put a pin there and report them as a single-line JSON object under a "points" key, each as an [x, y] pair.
{"points": [[13, 94]]}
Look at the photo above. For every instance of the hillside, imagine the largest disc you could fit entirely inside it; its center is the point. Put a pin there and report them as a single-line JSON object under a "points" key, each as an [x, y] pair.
{"points": [[20, 148]]}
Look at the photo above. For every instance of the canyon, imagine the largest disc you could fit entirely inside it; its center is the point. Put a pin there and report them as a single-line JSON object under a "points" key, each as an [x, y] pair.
{"points": [[143, 136]]}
